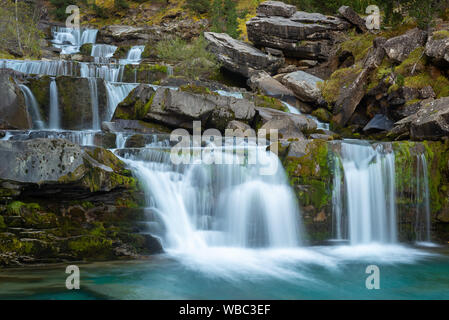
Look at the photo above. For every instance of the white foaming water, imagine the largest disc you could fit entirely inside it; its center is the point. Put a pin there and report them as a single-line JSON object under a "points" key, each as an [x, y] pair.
{"points": [[108, 72], [54, 118], [369, 182], [116, 93], [69, 40], [51, 68], [293, 110], [224, 93], [94, 103], [249, 211], [102, 52], [120, 140], [32, 106], [134, 55]]}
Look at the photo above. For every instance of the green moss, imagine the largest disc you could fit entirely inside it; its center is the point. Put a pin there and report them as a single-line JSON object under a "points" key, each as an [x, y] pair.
{"points": [[341, 78], [263, 101], [2, 223], [322, 114], [86, 49], [440, 35], [16, 207], [90, 246], [415, 62], [197, 89], [358, 45]]}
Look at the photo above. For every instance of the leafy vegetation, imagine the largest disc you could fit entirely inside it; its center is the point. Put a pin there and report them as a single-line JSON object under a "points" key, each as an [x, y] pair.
{"points": [[18, 27], [192, 59]]}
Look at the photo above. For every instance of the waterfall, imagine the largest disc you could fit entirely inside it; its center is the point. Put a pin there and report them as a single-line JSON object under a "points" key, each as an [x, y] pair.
{"points": [[134, 55], [32, 106], [120, 140], [225, 205], [94, 102], [69, 40], [54, 121], [422, 219], [51, 68], [108, 72], [337, 200], [370, 191], [102, 52], [116, 93], [293, 110]]}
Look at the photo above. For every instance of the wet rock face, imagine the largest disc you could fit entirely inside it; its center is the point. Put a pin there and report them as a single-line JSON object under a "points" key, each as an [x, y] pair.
{"points": [[264, 83], [302, 35], [13, 111], [399, 48], [239, 57]]}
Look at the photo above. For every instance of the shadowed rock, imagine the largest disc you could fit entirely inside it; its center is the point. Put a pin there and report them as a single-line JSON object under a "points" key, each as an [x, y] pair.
{"points": [[398, 48]]}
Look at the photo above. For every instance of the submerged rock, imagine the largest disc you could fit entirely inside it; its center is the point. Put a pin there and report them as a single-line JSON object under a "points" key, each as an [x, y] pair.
{"points": [[240, 57]]}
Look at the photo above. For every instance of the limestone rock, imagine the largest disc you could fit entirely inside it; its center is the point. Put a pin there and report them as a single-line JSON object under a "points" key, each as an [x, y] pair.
{"points": [[304, 86], [264, 83], [238, 56], [276, 8], [398, 48], [13, 111], [349, 14]]}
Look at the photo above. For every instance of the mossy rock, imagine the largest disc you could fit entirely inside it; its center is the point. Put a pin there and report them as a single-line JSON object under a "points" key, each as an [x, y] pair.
{"points": [[86, 49], [322, 114]]}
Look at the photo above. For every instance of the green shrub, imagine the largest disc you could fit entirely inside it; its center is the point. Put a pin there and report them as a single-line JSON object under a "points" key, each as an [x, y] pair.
{"points": [[198, 6], [192, 59]]}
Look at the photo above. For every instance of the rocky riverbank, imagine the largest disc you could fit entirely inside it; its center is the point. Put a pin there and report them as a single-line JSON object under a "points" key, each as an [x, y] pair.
{"points": [[316, 79]]}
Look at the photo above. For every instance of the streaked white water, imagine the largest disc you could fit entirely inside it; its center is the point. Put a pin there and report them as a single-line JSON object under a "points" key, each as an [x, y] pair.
{"points": [[108, 72], [370, 193], [293, 110], [69, 40], [51, 67], [32, 106], [200, 206], [116, 93], [102, 52], [422, 222], [54, 117], [94, 103], [134, 55], [337, 201]]}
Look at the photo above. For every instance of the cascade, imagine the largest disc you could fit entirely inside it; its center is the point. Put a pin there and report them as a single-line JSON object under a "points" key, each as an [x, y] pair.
{"points": [[102, 52], [134, 55], [69, 40], [94, 102], [116, 93], [32, 106], [54, 118], [422, 219], [50, 68], [370, 193], [225, 205]]}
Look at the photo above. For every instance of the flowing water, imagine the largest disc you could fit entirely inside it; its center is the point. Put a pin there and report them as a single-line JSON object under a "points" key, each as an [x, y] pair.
{"points": [[229, 230], [54, 118]]}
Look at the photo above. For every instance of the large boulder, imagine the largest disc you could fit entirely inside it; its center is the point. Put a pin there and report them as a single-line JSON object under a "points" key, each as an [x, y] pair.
{"points": [[179, 108], [130, 35], [303, 35], [13, 110], [304, 85], [350, 96], [240, 57], [276, 8], [437, 47], [349, 14], [398, 48], [269, 86], [270, 118], [430, 122]]}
